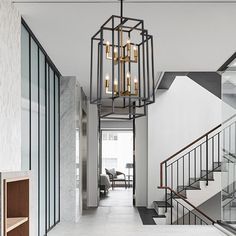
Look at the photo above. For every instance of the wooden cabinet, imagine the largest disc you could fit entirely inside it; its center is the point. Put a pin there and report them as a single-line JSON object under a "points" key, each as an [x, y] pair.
{"points": [[16, 206]]}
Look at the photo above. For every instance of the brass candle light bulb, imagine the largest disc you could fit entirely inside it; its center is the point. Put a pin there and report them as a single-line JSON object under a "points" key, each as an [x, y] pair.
{"points": [[115, 53], [135, 86], [107, 47], [128, 77], [135, 53], [115, 86]]}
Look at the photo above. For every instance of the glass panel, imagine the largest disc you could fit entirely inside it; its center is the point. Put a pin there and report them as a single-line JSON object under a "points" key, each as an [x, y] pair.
{"points": [[229, 148], [48, 144], [57, 147], [42, 178], [25, 99], [34, 123], [52, 150]]}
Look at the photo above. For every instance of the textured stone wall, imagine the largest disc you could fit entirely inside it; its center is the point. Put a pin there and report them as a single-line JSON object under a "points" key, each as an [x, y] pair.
{"points": [[68, 105], [10, 87]]}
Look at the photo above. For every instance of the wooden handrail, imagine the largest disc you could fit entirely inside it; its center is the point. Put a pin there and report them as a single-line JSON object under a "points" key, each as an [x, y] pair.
{"points": [[195, 141], [189, 145], [195, 208], [181, 150]]}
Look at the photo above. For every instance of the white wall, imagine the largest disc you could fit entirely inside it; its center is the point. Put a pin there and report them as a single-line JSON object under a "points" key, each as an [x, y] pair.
{"points": [[10, 87], [92, 156], [179, 116], [141, 161]]}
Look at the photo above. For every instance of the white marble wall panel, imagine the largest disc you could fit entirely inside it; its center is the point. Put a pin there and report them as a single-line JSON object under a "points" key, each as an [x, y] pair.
{"points": [[10, 87], [68, 148]]}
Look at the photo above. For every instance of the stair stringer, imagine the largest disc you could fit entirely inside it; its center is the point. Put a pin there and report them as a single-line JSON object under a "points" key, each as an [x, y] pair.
{"points": [[198, 197], [195, 197]]}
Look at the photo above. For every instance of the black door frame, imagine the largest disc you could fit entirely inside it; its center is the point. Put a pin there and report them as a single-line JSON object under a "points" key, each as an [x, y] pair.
{"points": [[100, 151]]}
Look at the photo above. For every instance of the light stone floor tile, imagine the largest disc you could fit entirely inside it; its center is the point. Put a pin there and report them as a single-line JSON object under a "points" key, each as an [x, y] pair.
{"points": [[125, 221], [116, 217], [118, 197]]}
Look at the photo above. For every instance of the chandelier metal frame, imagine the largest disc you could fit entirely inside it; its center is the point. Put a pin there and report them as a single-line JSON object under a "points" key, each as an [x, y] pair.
{"points": [[122, 70]]}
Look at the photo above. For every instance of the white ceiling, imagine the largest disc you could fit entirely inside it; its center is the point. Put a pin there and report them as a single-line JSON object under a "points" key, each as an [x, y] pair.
{"points": [[191, 36]]}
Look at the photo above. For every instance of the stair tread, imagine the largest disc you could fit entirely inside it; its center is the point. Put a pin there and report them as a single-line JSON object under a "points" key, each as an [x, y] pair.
{"points": [[188, 187], [216, 162], [204, 179], [161, 204], [216, 167], [175, 196], [205, 171], [159, 216], [193, 181]]}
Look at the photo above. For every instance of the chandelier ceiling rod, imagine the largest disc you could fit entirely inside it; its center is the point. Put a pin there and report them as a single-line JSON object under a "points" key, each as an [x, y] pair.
{"points": [[121, 7]]}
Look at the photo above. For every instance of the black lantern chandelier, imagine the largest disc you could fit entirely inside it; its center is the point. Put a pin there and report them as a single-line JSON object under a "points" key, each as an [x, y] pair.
{"points": [[122, 68]]}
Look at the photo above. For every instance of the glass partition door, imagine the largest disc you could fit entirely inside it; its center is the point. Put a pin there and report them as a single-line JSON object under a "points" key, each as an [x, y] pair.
{"points": [[41, 131], [229, 148]]}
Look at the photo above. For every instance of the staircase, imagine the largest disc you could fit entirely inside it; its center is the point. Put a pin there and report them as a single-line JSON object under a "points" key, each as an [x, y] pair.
{"points": [[193, 175], [190, 177]]}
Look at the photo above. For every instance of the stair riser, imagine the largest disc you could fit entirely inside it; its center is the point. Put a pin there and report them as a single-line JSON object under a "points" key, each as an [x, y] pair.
{"points": [[161, 211], [160, 221]]}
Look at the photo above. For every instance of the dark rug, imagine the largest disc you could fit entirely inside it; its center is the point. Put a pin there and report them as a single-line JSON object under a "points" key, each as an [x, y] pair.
{"points": [[146, 215]]}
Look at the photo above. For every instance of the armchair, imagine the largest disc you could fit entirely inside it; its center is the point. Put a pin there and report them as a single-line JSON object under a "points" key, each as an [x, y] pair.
{"points": [[113, 177]]}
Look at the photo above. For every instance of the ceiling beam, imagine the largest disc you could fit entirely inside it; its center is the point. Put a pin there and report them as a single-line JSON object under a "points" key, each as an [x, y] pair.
{"points": [[211, 81]]}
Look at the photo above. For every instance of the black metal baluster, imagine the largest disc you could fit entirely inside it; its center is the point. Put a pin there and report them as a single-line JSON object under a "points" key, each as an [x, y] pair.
{"points": [[177, 212], [189, 168], [213, 151], [206, 160], [230, 212], [183, 215], [234, 183], [228, 190], [234, 138], [172, 176], [178, 172], [189, 212], [229, 139], [218, 149], [171, 206], [201, 160], [183, 170], [166, 184], [195, 219], [195, 165]]}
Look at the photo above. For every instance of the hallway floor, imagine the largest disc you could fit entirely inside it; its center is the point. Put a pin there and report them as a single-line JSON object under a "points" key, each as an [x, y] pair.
{"points": [[117, 197], [125, 221]]}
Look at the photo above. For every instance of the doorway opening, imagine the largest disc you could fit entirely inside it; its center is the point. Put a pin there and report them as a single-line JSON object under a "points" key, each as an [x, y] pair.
{"points": [[117, 168]]}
